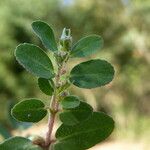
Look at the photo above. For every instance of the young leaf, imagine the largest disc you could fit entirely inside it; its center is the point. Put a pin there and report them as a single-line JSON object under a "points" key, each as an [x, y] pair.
{"points": [[31, 110], [92, 74], [70, 102], [76, 115], [45, 86], [85, 135], [46, 35], [18, 143], [87, 46], [35, 60]]}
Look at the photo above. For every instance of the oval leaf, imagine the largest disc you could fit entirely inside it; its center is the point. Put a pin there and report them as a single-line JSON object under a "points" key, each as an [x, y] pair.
{"points": [[46, 35], [70, 102], [18, 143], [35, 60], [85, 135], [45, 86], [31, 110], [76, 115], [92, 74], [87, 46]]}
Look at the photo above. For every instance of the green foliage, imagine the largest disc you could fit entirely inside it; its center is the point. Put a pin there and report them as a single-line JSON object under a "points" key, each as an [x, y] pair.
{"points": [[30, 110], [70, 102], [18, 143], [92, 74], [45, 86], [46, 35], [81, 127], [85, 135], [35, 60], [76, 115], [87, 46]]}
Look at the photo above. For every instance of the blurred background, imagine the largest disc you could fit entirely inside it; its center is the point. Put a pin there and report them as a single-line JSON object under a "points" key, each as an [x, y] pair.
{"points": [[125, 28]]}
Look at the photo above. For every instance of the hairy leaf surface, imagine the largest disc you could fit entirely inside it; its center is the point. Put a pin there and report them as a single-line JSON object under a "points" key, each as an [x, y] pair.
{"points": [[46, 35], [85, 135], [92, 74], [87, 46], [31, 110], [35, 60]]}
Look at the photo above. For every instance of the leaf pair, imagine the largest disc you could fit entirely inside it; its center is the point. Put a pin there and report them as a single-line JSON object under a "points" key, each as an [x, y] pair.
{"points": [[74, 110], [33, 58], [82, 128], [84, 135]]}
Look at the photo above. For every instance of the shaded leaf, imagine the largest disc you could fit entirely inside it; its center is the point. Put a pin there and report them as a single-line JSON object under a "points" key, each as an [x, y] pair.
{"points": [[87, 46], [18, 143], [30, 110], [45, 86], [14, 123], [92, 74], [46, 35], [85, 135], [35, 60], [70, 102], [76, 115]]}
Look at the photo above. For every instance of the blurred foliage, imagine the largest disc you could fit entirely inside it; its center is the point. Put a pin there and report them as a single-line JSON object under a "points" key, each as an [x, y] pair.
{"points": [[125, 27]]}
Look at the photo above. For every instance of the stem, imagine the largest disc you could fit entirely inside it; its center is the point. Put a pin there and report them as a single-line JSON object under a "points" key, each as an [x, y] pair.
{"points": [[53, 110], [51, 121]]}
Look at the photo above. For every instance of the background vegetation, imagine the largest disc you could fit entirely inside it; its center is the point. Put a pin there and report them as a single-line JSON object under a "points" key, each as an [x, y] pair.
{"points": [[125, 27]]}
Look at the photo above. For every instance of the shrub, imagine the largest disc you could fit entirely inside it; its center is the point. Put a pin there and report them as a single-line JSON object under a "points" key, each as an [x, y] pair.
{"points": [[81, 126]]}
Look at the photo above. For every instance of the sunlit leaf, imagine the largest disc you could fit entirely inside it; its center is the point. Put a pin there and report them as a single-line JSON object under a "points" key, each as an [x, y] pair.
{"points": [[92, 74], [46, 35], [87, 46], [35, 60]]}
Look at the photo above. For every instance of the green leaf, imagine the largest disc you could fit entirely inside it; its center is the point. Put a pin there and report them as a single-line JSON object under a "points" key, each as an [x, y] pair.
{"points": [[35, 60], [70, 102], [13, 122], [30, 110], [45, 86], [76, 115], [92, 74], [87, 46], [85, 135], [46, 35], [18, 143]]}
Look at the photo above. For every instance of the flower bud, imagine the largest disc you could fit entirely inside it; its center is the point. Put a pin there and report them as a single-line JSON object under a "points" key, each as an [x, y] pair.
{"points": [[66, 40]]}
